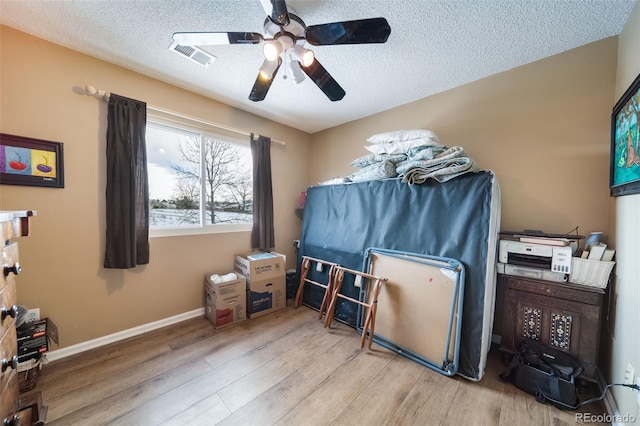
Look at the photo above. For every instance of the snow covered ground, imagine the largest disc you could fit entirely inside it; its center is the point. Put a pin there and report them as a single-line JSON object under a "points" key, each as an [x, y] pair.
{"points": [[177, 217]]}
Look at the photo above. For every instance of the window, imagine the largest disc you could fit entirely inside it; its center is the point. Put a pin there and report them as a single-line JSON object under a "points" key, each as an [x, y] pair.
{"points": [[199, 181]]}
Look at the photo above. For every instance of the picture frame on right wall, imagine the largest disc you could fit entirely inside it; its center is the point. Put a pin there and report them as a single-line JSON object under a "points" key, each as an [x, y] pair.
{"points": [[624, 168]]}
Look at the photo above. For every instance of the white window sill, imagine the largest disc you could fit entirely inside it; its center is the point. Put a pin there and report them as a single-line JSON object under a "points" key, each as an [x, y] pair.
{"points": [[211, 229]]}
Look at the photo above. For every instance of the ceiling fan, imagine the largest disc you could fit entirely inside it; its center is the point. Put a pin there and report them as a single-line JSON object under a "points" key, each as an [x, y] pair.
{"points": [[283, 41]]}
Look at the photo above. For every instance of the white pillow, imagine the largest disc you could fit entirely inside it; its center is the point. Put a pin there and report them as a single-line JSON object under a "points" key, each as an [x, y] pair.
{"points": [[400, 147], [401, 135]]}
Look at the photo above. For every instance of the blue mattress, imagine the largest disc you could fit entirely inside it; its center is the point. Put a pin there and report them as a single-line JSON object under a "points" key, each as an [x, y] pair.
{"points": [[457, 219]]}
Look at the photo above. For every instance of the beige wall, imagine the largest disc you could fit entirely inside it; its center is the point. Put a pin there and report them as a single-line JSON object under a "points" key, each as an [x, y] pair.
{"points": [[543, 128], [62, 259], [625, 337]]}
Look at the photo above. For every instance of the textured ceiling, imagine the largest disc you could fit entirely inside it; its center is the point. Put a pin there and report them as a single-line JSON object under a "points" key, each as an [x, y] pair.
{"points": [[434, 45]]}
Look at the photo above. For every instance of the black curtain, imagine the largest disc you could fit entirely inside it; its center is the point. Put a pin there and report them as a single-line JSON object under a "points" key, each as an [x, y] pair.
{"points": [[262, 232], [127, 187]]}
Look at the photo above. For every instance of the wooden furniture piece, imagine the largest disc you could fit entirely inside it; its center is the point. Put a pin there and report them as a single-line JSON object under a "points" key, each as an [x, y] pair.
{"points": [[32, 412], [369, 301], [13, 224], [305, 267], [563, 316]]}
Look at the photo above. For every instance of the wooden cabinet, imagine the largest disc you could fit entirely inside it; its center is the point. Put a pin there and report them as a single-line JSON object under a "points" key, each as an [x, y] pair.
{"points": [[13, 225], [563, 316]]}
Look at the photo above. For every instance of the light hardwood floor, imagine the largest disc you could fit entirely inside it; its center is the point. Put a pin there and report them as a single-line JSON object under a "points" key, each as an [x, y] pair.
{"points": [[281, 369]]}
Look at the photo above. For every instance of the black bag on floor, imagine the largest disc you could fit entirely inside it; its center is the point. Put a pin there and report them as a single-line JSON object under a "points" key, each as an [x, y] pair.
{"points": [[547, 373]]}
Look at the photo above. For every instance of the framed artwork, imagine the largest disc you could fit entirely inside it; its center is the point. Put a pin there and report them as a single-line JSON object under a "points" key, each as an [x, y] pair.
{"points": [[31, 162], [624, 168]]}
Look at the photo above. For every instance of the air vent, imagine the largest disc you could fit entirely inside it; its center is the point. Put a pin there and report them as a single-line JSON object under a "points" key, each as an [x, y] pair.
{"points": [[193, 53]]}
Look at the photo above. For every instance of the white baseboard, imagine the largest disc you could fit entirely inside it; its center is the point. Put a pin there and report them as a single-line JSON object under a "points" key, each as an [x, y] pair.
{"points": [[121, 335], [612, 409]]}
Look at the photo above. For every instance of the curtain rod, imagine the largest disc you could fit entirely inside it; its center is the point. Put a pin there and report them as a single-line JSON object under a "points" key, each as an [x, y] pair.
{"points": [[101, 94]]}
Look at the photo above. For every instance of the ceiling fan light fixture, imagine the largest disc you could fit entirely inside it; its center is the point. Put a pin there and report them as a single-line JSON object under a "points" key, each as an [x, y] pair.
{"points": [[304, 56], [267, 69], [295, 72], [271, 50]]}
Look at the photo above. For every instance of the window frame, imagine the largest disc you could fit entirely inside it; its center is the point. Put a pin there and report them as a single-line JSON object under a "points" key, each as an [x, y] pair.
{"points": [[204, 130]]}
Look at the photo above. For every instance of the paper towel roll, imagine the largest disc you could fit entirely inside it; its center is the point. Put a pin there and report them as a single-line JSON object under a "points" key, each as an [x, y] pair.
{"points": [[224, 278]]}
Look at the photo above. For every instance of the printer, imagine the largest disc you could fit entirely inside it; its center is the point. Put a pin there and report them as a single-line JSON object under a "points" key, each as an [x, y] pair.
{"points": [[542, 256]]}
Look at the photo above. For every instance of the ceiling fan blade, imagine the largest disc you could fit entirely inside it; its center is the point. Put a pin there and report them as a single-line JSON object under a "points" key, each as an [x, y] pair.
{"points": [[277, 11], [324, 81], [374, 30], [216, 38], [263, 81]]}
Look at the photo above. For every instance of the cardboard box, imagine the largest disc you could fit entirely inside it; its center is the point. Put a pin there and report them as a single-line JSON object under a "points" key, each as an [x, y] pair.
{"points": [[261, 266], [266, 282], [266, 296], [225, 302], [34, 338]]}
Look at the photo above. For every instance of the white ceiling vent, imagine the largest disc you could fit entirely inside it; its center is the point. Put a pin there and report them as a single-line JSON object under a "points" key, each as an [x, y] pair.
{"points": [[194, 53]]}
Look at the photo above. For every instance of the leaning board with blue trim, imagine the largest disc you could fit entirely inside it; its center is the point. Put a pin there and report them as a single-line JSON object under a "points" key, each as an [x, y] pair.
{"points": [[458, 219], [419, 307]]}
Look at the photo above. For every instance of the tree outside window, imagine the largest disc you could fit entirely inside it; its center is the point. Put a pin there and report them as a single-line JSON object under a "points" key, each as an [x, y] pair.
{"points": [[197, 179]]}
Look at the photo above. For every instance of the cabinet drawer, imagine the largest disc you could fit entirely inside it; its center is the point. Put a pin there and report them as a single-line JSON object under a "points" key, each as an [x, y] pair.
{"points": [[6, 229], [15, 227], [8, 349], [8, 299], [9, 260], [9, 398], [565, 291]]}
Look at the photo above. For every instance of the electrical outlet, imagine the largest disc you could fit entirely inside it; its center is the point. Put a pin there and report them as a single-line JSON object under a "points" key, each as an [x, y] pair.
{"points": [[629, 374], [32, 315]]}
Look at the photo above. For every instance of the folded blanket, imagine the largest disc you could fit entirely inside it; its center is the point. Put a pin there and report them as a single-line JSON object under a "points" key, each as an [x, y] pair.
{"points": [[453, 152], [370, 159], [448, 164], [381, 170], [440, 170], [425, 152]]}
